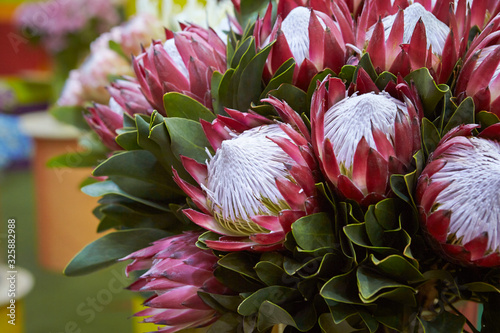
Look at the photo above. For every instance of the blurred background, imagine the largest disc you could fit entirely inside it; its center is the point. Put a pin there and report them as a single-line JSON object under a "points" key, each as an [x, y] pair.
{"points": [[41, 43]]}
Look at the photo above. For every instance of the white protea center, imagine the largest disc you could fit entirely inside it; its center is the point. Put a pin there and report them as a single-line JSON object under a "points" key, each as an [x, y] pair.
{"points": [[473, 196], [355, 117], [436, 31], [295, 27], [241, 179]]}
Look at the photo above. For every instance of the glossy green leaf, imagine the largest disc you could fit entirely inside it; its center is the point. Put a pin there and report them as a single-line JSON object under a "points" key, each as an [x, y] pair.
{"points": [[108, 187], [444, 322], [274, 294], [342, 288], [83, 159], [398, 268], [347, 73], [128, 140], [430, 136], [284, 74], [370, 284], [182, 106], [221, 303], [430, 93], [295, 97], [272, 274], [463, 115], [384, 78], [312, 232], [240, 262], [188, 138], [106, 250], [366, 63], [485, 119], [227, 323], [271, 314]]}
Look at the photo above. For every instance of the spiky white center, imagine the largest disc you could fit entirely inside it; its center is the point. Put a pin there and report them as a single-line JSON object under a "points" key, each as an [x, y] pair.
{"points": [[473, 197], [172, 51], [295, 28], [241, 178], [353, 118], [436, 31]]}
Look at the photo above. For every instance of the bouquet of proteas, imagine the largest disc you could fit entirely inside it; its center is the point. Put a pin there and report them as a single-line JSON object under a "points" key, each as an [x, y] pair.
{"points": [[332, 166]]}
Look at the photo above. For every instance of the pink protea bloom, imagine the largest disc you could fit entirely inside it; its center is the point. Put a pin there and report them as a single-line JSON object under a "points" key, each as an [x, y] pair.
{"points": [[184, 63], [312, 38], [176, 270], [362, 139], [458, 194], [257, 184], [479, 77], [127, 93], [104, 120]]}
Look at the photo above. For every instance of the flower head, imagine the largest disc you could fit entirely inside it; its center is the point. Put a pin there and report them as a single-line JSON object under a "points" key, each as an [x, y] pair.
{"points": [[184, 64], [256, 185], [458, 194], [105, 120], [176, 270], [362, 139], [127, 93]]}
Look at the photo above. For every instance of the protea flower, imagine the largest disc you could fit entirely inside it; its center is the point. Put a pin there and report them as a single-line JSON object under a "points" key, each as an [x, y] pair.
{"points": [[184, 64], [312, 38], [479, 77], [458, 194], [257, 184], [105, 120], [127, 93], [176, 270], [362, 139], [411, 39]]}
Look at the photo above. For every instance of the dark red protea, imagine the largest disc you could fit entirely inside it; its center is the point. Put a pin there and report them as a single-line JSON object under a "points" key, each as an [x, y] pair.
{"points": [[257, 184], [362, 139], [458, 194], [184, 63], [176, 270]]}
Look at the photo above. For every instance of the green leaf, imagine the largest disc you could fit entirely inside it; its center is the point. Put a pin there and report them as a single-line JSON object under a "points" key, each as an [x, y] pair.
{"points": [[444, 322], [314, 231], [109, 187], [271, 314], [140, 165], [295, 97], [128, 140], [274, 294], [463, 115], [430, 93], [314, 82], [372, 286], [83, 159], [272, 274], [227, 323], [188, 138], [481, 287], [240, 262], [398, 268], [182, 106], [430, 136], [347, 73], [245, 51], [223, 94], [485, 119], [366, 63], [221, 303], [284, 74], [106, 250], [250, 81], [342, 288], [384, 78]]}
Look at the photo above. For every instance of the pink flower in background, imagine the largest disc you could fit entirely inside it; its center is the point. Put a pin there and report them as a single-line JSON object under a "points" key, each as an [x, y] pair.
{"points": [[57, 21]]}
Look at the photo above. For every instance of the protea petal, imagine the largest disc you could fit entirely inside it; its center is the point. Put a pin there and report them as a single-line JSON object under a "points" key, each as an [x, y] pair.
{"points": [[465, 185]]}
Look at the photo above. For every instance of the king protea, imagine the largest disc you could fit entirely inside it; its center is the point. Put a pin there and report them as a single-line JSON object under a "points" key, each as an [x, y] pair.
{"points": [[312, 38], [458, 194], [362, 139], [176, 270], [257, 184], [184, 63]]}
